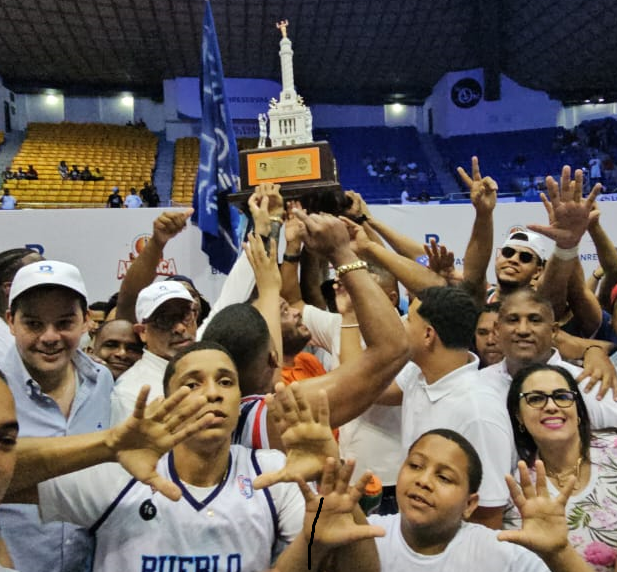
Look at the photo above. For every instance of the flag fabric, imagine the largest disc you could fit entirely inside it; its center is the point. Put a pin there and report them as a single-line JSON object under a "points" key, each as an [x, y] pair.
{"points": [[218, 159]]}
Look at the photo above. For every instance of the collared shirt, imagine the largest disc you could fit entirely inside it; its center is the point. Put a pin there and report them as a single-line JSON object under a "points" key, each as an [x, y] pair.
{"points": [[457, 402], [602, 414], [58, 546], [149, 370], [6, 338]]}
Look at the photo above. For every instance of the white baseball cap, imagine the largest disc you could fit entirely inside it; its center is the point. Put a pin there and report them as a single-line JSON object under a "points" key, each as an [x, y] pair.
{"points": [[153, 296], [47, 273], [527, 239]]}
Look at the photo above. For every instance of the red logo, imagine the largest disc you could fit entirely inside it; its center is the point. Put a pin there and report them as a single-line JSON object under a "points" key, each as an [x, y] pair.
{"points": [[166, 267]]}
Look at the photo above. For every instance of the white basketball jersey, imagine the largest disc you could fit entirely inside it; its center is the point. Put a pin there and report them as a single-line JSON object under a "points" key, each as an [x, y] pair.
{"points": [[233, 529]]}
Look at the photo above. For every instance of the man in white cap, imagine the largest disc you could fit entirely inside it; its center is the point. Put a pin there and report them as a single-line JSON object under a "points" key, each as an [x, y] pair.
{"points": [[58, 391], [166, 322]]}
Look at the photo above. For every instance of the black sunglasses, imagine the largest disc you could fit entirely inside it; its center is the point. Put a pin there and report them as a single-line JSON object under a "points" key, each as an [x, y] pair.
{"points": [[524, 256], [562, 398]]}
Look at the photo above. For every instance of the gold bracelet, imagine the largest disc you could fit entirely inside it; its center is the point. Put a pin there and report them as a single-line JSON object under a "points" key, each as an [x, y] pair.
{"points": [[345, 268], [276, 219], [350, 325]]}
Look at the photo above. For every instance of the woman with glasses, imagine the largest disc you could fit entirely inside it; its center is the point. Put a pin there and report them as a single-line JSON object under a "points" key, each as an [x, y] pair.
{"points": [[550, 422]]}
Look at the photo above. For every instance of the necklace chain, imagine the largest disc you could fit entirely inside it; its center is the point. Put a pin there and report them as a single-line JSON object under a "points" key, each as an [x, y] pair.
{"points": [[563, 475]]}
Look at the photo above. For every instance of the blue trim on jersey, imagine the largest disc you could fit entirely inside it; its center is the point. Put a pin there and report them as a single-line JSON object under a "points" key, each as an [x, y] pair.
{"points": [[244, 416], [266, 491], [197, 505], [112, 506]]}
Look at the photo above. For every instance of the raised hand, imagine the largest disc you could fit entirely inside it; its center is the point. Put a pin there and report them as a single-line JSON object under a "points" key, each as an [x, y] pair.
{"points": [[482, 190], [598, 367], [441, 261], [326, 235], [264, 266], [307, 441], [357, 235], [335, 525], [141, 440], [568, 214], [293, 226], [545, 529], [169, 224], [258, 206]]}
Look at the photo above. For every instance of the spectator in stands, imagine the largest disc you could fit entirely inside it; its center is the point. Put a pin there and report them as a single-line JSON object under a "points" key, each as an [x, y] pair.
{"points": [[63, 170], [155, 200], [141, 124], [146, 193], [97, 175], [86, 174], [8, 201], [20, 174], [114, 201], [31, 174], [595, 170], [74, 174], [405, 198], [7, 174], [424, 197], [132, 201]]}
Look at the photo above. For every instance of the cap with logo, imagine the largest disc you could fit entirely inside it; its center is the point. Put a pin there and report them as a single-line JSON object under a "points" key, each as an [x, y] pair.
{"points": [[47, 273], [153, 296], [527, 239]]}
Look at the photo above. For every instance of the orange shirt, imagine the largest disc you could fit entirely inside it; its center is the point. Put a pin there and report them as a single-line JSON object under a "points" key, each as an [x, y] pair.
{"points": [[305, 366]]}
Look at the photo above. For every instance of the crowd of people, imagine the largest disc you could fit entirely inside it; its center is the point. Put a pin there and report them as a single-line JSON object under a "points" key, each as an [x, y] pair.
{"points": [[74, 174], [161, 432], [148, 197], [30, 174]]}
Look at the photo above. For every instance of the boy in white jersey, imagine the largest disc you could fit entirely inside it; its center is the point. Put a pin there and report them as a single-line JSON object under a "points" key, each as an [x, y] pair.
{"points": [[221, 521]]}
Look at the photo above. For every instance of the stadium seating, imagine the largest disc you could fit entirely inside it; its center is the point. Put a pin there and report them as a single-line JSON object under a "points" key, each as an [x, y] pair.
{"points": [[186, 162], [125, 155]]}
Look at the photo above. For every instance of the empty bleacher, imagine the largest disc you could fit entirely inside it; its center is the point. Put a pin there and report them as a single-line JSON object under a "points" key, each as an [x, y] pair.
{"points": [[125, 155], [186, 162]]}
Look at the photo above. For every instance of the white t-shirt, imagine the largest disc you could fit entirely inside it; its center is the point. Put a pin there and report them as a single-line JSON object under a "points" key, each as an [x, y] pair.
{"points": [[602, 414], [458, 402], [475, 548], [149, 370], [234, 528]]}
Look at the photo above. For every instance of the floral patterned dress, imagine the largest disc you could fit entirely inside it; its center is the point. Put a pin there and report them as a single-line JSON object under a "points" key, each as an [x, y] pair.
{"points": [[592, 512]]}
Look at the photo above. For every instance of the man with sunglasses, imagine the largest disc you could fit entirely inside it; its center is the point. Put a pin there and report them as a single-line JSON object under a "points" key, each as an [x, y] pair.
{"points": [[166, 322], [525, 332], [518, 264]]}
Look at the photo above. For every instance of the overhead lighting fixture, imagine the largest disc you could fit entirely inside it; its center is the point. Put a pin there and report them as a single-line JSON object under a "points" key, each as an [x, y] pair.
{"points": [[397, 108], [127, 100], [51, 99], [588, 101], [600, 100]]}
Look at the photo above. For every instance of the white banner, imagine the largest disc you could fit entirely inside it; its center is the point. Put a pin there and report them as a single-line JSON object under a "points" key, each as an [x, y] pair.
{"points": [[103, 242]]}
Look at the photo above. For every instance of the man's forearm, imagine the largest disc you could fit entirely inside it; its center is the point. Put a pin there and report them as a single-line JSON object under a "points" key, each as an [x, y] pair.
{"points": [[403, 245], [42, 458], [479, 250]]}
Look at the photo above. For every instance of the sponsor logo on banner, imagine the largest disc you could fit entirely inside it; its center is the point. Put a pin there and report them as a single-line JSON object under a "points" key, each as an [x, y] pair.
{"points": [[166, 267]]}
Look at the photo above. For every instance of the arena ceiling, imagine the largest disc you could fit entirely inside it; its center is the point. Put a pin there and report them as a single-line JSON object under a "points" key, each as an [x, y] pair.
{"points": [[345, 51]]}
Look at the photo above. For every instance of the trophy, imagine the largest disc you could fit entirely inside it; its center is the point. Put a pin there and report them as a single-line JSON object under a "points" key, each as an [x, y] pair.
{"points": [[296, 162]]}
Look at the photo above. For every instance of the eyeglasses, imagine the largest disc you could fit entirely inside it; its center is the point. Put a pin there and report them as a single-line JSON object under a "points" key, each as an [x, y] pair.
{"points": [[524, 256], [167, 321], [562, 398]]}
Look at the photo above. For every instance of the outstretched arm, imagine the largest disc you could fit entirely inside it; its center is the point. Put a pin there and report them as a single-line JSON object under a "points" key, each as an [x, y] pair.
{"points": [[483, 194], [607, 255], [545, 528], [143, 269], [354, 386], [137, 444], [330, 529]]}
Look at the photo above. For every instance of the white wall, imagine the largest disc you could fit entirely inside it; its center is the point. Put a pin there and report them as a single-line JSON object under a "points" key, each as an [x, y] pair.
{"points": [[81, 109], [37, 108], [347, 116], [570, 117], [398, 115], [152, 112], [519, 108]]}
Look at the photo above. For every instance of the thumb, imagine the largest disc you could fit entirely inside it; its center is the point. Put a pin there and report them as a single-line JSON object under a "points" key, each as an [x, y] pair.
{"points": [[268, 479], [188, 212], [165, 487], [514, 536]]}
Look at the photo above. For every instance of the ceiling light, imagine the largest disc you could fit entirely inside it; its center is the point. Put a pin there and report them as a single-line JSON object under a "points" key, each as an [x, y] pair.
{"points": [[127, 100], [51, 99], [600, 100], [397, 108]]}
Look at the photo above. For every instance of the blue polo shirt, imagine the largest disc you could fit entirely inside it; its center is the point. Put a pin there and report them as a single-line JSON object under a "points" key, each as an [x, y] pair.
{"points": [[58, 546]]}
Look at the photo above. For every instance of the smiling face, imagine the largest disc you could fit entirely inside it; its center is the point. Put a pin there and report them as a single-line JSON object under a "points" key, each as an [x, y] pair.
{"points": [[47, 325], [550, 424], [432, 489], [525, 330], [513, 271], [295, 334], [118, 345], [210, 374]]}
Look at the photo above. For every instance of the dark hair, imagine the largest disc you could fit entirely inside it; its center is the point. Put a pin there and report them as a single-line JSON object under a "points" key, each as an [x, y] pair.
{"points": [[525, 445], [111, 304], [98, 306], [474, 464], [18, 301], [11, 261], [243, 331], [194, 347], [529, 294], [452, 312]]}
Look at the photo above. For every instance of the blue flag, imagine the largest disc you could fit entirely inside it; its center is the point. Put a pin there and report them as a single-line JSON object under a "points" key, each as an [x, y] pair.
{"points": [[218, 159]]}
